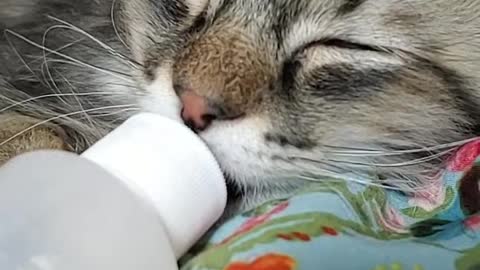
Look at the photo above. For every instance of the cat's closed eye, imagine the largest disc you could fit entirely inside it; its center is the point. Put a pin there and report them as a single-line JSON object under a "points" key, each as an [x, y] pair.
{"points": [[292, 65]]}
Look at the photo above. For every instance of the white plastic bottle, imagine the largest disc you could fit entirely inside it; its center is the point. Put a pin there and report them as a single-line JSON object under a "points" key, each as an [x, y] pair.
{"points": [[138, 199]]}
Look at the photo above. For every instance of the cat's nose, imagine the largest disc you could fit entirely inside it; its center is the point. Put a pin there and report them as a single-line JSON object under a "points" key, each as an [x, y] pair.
{"points": [[196, 112]]}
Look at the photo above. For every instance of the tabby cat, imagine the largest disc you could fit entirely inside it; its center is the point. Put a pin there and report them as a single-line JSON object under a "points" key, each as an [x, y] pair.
{"points": [[282, 91]]}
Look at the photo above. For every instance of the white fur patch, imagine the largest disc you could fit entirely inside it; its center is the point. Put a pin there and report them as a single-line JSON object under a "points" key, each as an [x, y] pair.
{"points": [[245, 156], [161, 98], [239, 147]]}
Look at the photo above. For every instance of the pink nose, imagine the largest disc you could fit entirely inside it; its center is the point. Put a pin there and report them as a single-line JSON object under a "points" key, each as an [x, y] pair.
{"points": [[195, 113]]}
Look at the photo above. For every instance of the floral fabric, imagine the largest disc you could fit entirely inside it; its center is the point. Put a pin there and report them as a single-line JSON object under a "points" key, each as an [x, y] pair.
{"points": [[342, 225]]}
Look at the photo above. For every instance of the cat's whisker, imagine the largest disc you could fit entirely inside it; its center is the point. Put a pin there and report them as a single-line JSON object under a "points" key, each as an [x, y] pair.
{"points": [[327, 169], [124, 77], [351, 151], [114, 113], [63, 61], [114, 25], [66, 46], [356, 171], [358, 181], [119, 112], [47, 75], [19, 56], [46, 67], [108, 48], [397, 185], [67, 115], [87, 116], [407, 163], [32, 99]]}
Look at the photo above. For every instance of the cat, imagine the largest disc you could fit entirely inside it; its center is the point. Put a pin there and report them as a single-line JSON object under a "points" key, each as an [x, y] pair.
{"points": [[283, 92]]}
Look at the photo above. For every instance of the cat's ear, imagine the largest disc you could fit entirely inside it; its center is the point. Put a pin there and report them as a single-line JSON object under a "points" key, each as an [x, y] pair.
{"points": [[196, 7]]}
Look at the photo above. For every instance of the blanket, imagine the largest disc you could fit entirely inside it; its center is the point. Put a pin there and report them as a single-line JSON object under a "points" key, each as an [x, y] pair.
{"points": [[338, 224]]}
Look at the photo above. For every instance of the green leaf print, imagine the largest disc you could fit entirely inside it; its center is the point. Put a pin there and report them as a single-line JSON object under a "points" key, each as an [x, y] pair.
{"points": [[397, 266], [302, 226], [361, 203], [470, 260]]}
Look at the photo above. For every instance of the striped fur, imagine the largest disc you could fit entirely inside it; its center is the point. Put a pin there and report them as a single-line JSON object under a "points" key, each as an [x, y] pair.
{"points": [[323, 87]]}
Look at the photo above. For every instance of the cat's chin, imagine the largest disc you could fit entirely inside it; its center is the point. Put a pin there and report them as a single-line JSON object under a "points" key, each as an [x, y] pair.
{"points": [[243, 154]]}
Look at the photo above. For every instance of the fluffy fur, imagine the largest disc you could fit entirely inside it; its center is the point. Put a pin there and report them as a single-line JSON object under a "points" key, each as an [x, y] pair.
{"points": [[302, 88]]}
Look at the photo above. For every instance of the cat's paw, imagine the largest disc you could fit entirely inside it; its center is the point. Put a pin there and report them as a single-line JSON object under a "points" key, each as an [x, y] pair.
{"points": [[20, 134]]}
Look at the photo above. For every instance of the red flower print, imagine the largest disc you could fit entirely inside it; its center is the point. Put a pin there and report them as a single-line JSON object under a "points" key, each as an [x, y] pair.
{"points": [[299, 236], [465, 157], [267, 262], [302, 236], [295, 236], [330, 231], [473, 223], [286, 237]]}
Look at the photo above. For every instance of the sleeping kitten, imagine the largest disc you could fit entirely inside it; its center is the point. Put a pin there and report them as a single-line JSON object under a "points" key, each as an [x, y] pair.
{"points": [[281, 91]]}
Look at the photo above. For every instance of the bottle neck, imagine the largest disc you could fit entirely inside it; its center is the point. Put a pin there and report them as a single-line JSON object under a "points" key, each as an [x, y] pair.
{"points": [[167, 165]]}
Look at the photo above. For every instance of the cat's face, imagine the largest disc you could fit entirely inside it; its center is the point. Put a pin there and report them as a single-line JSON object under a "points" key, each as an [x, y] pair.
{"points": [[295, 82]]}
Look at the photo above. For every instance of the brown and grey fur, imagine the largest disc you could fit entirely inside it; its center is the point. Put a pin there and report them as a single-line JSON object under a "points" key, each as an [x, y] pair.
{"points": [[300, 88]]}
